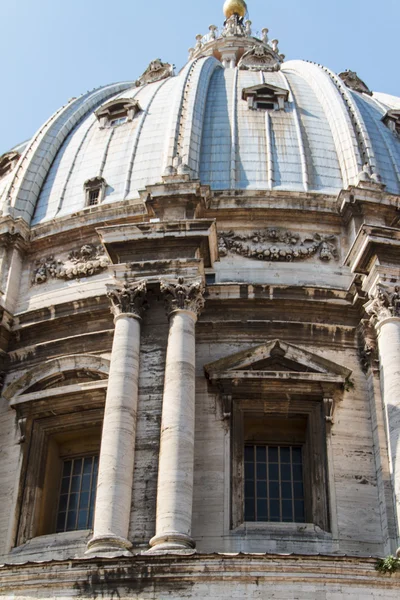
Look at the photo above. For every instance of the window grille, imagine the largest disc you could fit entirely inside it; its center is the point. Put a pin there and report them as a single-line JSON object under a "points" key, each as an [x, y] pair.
{"points": [[93, 197], [77, 494], [274, 489]]}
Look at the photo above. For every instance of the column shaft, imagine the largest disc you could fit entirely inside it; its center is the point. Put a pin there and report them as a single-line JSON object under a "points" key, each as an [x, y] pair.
{"points": [[389, 353], [114, 488], [175, 476]]}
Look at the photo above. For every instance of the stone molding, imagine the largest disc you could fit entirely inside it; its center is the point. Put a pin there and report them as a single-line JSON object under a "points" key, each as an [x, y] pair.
{"points": [[278, 245], [85, 262], [129, 299], [183, 296], [384, 304]]}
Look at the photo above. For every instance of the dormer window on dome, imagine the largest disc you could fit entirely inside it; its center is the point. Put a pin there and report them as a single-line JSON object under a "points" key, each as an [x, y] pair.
{"points": [[265, 97], [117, 112], [95, 190], [392, 120], [7, 163]]}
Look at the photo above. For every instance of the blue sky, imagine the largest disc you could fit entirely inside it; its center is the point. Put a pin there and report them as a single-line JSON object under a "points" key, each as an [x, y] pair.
{"points": [[53, 50]]}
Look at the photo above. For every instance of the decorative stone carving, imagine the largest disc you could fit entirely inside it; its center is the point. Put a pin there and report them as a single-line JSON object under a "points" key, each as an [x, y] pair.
{"points": [[260, 58], [8, 162], [278, 245], [183, 296], [384, 304], [368, 347], [234, 26], [88, 260], [366, 177], [156, 71], [352, 80], [128, 299]]}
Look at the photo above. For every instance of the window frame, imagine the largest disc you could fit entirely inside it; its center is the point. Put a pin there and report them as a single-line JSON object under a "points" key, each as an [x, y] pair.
{"points": [[95, 184], [317, 511]]}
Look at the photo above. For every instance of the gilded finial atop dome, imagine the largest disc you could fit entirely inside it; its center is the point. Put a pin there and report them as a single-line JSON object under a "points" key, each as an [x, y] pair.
{"points": [[235, 7]]}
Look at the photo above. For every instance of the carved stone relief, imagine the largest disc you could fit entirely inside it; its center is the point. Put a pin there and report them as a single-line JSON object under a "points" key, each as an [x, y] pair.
{"points": [[88, 260], [183, 296], [368, 346], [278, 245], [384, 304], [156, 71], [260, 58], [128, 299], [352, 80]]}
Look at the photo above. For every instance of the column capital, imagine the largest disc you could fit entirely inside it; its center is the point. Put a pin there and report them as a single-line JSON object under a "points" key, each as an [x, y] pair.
{"points": [[181, 295], [129, 299], [383, 304]]}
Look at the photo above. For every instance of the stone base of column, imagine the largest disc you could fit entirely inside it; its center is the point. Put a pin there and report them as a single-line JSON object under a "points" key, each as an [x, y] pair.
{"points": [[173, 542], [106, 545]]}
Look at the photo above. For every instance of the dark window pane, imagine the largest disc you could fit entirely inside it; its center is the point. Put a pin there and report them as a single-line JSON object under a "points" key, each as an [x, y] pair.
{"points": [[85, 486], [261, 471], [249, 453], [296, 455], [84, 500], [286, 488], [274, 511], [61, 522], [87, 465], [65, 485], [287, 510], [67, 468], [285, 455], [249, 489], [297, 472], [77, 492], [298, 490], [274, 489], [299, 511], [261, 489], [77, 466], [82, 519], [262, 510], [249, 470], [273, 471], [286, 472], [75, 483], [261, 454], [73, 501], [71, 521], [249, 512], [63, 503], [272, 454]]}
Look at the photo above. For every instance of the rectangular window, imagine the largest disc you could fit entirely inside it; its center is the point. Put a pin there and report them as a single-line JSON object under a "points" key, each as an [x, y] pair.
{"points": [[274, 489], [93, 197], [118, 121], [77, 494]]}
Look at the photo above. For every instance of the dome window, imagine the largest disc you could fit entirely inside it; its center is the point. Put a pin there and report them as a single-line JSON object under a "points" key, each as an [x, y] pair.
{"points": [[95, 189], [265, 97], [392, 120], [7, 163], [117, 112]]}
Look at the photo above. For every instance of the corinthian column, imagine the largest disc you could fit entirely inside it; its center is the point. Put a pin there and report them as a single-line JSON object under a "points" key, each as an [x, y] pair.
{"points": [[384, 310], [115, 478], [175, 475]]}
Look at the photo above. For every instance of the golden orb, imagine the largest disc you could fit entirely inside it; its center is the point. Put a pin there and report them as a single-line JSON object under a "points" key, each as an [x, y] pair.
{"points": [[235, 7]]}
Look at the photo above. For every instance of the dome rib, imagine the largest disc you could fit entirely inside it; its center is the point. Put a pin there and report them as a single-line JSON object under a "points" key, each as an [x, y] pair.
{"points": [[364, 141], [337, 116], [300, 139], [138, 131], [234, 129], [25, 187]]}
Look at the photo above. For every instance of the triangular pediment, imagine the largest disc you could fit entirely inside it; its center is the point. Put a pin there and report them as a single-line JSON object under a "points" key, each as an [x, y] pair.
{"points": [[276, 357]]}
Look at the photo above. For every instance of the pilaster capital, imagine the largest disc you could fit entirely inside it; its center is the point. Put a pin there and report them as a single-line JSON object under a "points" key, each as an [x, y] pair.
{"points": [[179, 295], [130, 299], [384, 304]]}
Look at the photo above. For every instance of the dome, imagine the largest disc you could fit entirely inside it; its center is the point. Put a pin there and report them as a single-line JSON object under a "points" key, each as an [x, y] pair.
{"points": [[201, 122]]}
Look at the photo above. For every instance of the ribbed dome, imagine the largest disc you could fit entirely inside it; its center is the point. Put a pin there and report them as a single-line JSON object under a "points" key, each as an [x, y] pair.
{"points": [[199, 120]]}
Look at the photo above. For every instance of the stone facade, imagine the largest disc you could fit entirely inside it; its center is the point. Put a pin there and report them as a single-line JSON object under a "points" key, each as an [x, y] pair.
{"points": [[164, 332]]}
